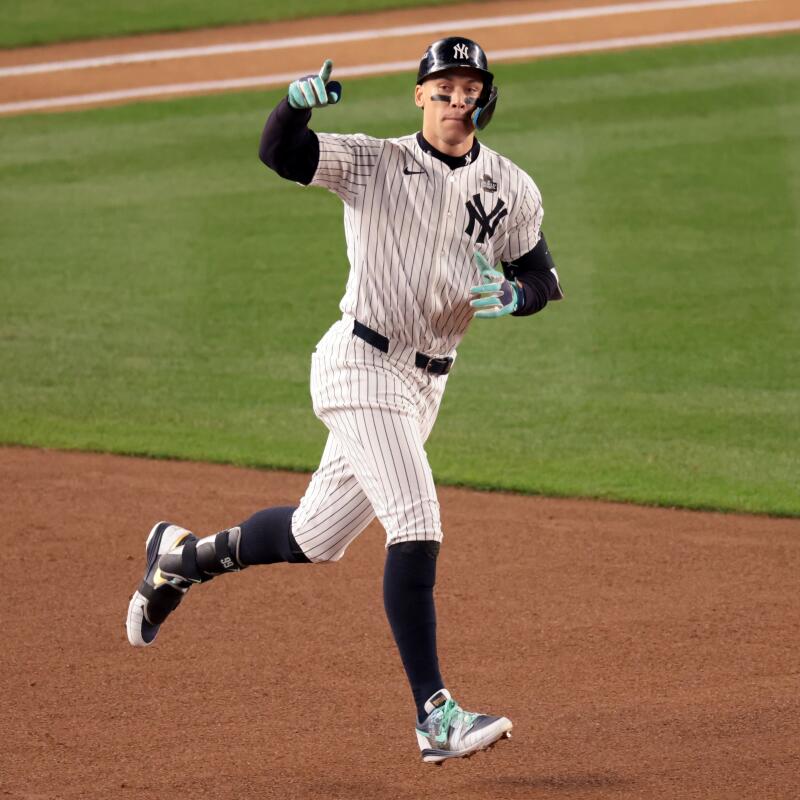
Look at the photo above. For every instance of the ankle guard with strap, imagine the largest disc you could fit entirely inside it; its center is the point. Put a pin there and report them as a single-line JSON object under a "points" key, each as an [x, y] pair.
{"points": [[200, 560]]}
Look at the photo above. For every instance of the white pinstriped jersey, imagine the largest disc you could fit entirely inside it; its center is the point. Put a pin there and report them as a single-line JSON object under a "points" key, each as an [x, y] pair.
{"points": [[412, 225]]}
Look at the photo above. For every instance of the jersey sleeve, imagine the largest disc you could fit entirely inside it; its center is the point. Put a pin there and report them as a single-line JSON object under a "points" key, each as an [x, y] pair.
{"points": [[346, 162], [526, 222]]}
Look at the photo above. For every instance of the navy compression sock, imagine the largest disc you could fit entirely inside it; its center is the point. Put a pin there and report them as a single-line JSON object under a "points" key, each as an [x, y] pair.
{"points": [[267, 538], [408, 579]]}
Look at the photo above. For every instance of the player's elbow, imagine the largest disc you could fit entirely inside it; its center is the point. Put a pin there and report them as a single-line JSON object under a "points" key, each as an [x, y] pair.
{"points": [[265, 159], [268, 152], [292, 163]]}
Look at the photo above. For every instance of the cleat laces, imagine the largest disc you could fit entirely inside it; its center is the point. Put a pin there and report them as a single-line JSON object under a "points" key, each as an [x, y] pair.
{"points": [[451, 714]]}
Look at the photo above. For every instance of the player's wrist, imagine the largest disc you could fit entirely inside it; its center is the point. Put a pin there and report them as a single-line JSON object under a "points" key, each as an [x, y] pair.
{"points": [[519, 296]]}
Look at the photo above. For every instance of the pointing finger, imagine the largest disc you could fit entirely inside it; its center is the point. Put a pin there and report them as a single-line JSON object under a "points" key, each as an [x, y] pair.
{"points": [[325, 72]]}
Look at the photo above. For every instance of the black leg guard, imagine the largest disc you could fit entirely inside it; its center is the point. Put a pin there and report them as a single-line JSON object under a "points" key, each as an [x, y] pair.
{"points": [[200, 560], [265, 538]]}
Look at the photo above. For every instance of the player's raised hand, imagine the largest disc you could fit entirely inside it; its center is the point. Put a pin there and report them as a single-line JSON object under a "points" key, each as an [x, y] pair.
{"points": [[315, 91], [495, 296]]}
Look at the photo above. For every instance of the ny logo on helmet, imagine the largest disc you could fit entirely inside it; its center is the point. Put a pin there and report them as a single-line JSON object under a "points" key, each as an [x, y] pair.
{"points": [[460, 51]]}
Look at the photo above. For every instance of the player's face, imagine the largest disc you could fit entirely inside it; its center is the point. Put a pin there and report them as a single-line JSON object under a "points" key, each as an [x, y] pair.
{"points": [[448, 102]]}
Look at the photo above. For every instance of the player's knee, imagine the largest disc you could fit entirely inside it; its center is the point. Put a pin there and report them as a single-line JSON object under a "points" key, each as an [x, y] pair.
{"points": [[326, 558], [411, 566], [322, 542], [320, 554], [428, 547]]}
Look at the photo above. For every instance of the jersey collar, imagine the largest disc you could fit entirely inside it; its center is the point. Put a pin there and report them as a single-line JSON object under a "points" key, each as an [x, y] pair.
{"points": [[454, 162]]}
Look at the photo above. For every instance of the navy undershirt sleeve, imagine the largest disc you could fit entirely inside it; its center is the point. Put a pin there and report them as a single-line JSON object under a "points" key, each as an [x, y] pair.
{"points": [[288, 146], [533, 271]]}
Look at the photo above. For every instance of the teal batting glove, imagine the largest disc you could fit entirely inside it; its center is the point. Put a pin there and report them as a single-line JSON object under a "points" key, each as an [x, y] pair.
{"points": [[496, 296], [314, 91]]}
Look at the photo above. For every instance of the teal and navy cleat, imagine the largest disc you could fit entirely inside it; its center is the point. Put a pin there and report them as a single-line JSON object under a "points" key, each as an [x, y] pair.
{"points": [[158, 595], [450, 732]]}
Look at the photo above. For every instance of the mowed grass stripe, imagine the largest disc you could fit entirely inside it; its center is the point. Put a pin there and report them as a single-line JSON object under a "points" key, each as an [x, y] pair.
{"points": [[164, 290], [356, 35], [44, 21]]}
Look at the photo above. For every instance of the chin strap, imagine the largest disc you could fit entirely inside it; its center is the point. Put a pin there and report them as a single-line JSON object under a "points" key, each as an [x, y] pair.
{"points": [[482, 115]]}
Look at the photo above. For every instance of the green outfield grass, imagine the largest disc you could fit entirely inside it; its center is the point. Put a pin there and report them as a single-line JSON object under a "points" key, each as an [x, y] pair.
{"points": [[43, 21], [162, 290]]}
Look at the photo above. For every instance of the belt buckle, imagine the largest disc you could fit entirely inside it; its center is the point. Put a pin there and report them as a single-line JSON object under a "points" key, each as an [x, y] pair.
{"points": [[439, 366]]}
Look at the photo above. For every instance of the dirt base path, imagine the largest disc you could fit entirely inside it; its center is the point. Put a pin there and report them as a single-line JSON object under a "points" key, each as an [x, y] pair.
{"points": [[641, 653], [168, 65]]}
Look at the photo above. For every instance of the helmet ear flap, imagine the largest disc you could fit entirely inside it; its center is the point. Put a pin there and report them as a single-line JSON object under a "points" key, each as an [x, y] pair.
{"points": [[482, 115]]}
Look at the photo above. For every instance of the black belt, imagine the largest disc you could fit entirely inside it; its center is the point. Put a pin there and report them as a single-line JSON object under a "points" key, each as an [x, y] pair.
{"points": [[436, 366]]}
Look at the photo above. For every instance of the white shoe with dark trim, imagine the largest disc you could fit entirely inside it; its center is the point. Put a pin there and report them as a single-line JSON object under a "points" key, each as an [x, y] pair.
{"points": [[450, 732]]}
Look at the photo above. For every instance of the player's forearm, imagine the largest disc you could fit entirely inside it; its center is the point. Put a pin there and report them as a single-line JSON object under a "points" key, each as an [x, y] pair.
{"points": [[287, 145], [535, 271], [537, 289]]}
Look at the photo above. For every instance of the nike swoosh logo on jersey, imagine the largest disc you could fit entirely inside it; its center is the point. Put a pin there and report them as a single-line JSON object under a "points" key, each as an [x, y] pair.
{"points": [[407, 171]]}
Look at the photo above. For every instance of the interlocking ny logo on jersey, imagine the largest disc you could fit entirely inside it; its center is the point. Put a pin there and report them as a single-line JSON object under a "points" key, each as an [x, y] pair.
{"points": [[488, 222], [460, 51]]}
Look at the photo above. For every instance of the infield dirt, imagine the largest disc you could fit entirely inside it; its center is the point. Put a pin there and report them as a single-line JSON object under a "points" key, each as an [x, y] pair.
{"points": [[641, 653]]}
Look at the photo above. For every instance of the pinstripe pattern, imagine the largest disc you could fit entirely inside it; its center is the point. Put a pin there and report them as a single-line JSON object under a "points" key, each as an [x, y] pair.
{"points": [[410, 242], [411, 261], [379, 412]]}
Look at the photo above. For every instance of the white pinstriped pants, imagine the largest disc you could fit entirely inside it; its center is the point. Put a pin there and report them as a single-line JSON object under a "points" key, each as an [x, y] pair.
{"points": [[379, 409]]}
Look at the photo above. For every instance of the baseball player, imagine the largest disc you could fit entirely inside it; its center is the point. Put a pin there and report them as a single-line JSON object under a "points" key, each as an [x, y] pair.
{"points": [[426, 218]]}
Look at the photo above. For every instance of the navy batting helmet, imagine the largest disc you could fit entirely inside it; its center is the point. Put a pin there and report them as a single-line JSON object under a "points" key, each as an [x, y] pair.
{"points": [[458, 52]]}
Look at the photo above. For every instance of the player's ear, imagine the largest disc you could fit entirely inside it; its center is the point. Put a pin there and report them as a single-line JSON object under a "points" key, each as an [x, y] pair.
{"points": [[419, 97]]}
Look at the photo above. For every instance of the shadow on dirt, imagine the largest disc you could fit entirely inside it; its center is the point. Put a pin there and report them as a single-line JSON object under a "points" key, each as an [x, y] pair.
{"points": [[566, 782]]}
